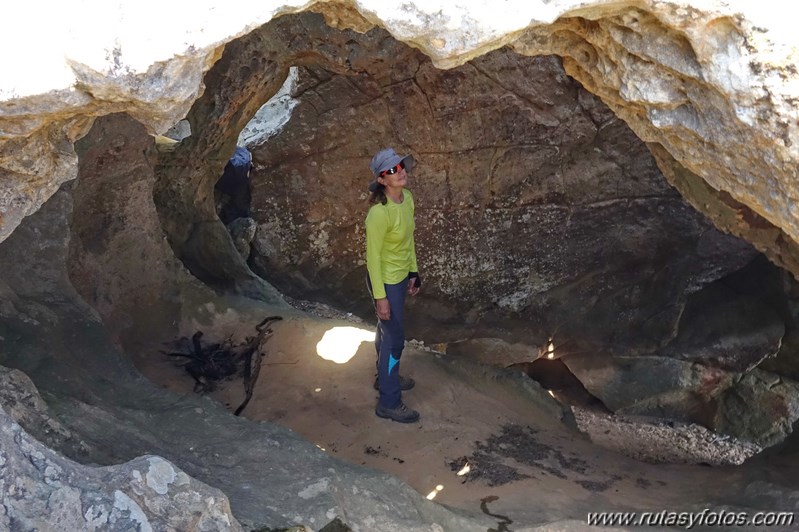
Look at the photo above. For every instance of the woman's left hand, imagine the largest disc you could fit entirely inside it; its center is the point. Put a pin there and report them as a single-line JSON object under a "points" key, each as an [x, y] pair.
{"points": [[413, 286]]}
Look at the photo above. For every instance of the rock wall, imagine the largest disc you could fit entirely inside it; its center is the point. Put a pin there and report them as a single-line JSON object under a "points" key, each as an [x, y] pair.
{"points": [[43, 490], [692, 82], [715, 73], [539, 212]]}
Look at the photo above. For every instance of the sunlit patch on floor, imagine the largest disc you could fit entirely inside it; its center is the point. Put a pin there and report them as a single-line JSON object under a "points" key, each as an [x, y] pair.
{"points": [[340, 344], [432, 494]]}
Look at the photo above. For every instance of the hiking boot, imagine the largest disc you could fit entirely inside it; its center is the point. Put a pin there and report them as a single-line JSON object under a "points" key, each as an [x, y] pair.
{"points": [[400, 413], [406, 383]]}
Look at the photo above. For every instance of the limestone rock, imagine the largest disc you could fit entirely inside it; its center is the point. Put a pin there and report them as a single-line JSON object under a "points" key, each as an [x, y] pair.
{"points": [[652, 386], [708, 82], [761, 407], [21, 401], [757, 407], [537, 211], [272, 116], [708, 89], [492, 351], [731, 331], [43, 490], [119, 260], [242, 231], [663, 441]]}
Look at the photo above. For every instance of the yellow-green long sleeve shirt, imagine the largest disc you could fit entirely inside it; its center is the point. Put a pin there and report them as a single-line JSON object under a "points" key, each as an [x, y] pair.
{"points": [[390, 249]]}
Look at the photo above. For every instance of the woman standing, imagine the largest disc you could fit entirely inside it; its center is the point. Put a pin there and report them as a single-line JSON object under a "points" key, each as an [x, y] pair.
{"points": [[392, 272]]}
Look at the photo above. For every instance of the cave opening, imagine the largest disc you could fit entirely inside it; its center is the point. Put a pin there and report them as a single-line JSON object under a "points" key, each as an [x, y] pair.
{"points": [[556, 378]]}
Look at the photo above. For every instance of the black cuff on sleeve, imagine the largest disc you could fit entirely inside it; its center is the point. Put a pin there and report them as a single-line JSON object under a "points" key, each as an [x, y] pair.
{"points": [[418, 277]]}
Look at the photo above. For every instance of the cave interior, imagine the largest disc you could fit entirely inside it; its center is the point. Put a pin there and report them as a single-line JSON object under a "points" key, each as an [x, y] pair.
{"points": [[561, 253]]}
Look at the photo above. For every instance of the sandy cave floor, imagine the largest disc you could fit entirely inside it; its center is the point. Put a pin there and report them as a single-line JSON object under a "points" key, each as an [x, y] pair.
{"points": [[527, 467]]}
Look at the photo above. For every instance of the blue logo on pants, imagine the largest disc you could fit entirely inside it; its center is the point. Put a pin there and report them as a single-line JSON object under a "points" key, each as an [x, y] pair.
{"points": [[392, 362]]}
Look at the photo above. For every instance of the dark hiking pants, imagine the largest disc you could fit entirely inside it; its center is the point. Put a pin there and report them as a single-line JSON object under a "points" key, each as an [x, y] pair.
{"points": [[389, 343]]}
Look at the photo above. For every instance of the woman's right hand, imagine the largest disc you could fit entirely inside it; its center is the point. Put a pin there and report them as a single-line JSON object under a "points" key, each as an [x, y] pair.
{"points": [[383, 309]]}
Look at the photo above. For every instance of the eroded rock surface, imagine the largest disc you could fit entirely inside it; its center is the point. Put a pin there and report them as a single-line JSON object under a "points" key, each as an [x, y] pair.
{"points": [[708, 82], [20, 400], [42, 490], [734, 340], [538, 212]]}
